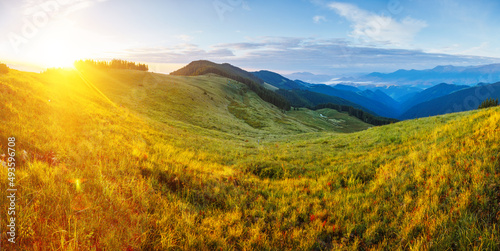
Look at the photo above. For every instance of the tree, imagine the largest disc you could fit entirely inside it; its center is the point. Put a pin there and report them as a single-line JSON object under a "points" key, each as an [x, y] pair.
{"points": [[490, 102], [4, 69], [113, 64]]}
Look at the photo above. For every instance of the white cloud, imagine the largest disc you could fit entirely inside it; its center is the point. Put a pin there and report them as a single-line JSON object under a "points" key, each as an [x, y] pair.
{"points": [[480, 50], [292, 54], [179, 53], [368, 27], [319, 19], [184, 37]]}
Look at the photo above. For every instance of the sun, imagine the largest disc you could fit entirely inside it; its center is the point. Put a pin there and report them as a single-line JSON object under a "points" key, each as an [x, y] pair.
{"points": [[64, 41], [57, 54], [58, 47]]}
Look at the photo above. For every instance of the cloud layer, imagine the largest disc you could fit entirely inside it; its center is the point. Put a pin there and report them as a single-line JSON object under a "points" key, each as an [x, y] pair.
{"points": [[290, 54]]}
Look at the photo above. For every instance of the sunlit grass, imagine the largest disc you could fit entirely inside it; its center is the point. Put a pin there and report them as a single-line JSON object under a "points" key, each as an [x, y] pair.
{"points": [[152, 162]]}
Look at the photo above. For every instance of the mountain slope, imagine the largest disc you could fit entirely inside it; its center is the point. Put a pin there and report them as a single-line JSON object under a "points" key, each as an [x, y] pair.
{"points": [[398, 93], [207, 102], [462, 100], [346, 88], [305, 98], [381, 97], [202, 67], [434, 92], [302, 83], [377, 107], [376, 95], [277, 80], [365, 100]]}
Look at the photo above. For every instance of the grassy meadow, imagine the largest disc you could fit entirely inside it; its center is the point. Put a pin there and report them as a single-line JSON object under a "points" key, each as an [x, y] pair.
{"points": [[132, 160]]}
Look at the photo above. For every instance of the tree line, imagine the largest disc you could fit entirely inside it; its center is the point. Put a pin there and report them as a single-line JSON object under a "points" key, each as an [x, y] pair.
{"points": [[113, 64], [316, 101], [490, 102]]}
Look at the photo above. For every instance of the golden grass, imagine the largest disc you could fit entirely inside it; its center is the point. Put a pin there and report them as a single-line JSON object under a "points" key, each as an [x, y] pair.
{"points": [[158, 162]]}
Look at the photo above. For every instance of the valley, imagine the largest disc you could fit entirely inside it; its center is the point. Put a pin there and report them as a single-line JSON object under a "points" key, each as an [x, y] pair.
{"points": [[411, 96]]}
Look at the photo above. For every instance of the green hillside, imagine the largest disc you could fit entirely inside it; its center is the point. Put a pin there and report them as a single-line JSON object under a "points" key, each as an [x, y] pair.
{"points": [[277, 80], [304, 98], [131, 160], [209, 103], [202, 67]]}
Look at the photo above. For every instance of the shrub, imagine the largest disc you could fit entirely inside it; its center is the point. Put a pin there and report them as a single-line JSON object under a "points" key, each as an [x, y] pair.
{"points": [[4, 69]]}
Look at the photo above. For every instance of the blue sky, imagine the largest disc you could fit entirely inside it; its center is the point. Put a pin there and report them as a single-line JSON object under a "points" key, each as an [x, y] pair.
{"points": [[323, 37]]}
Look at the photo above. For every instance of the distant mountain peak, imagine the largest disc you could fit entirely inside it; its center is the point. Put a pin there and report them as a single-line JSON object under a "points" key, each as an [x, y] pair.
{"points": [[309, 77], [461, 75]]}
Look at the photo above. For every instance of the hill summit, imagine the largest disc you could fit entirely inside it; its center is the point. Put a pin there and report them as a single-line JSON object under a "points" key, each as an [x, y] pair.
{"points": [[255, 84]]}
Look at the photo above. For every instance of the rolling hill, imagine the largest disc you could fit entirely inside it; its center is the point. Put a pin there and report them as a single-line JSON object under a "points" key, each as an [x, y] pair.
{"points": [[130, 160], [202, 67], [232, 106]]}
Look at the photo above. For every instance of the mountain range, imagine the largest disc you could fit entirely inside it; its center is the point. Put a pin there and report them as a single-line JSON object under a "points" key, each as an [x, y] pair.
{"points": [[462, 100], [434, 92], [461, 75], [309, 77], [412, 102]]}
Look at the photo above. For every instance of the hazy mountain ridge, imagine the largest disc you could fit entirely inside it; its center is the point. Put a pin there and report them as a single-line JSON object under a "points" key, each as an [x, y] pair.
{"points": [[434, 92], [372, 99], [381, 97], [458, 101], [378, 107], [277, 80], [309, 77], [376, 103], [462, 75]]}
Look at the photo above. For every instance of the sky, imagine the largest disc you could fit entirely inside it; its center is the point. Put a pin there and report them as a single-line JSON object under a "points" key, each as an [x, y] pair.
{"points": [[319, 36]]}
